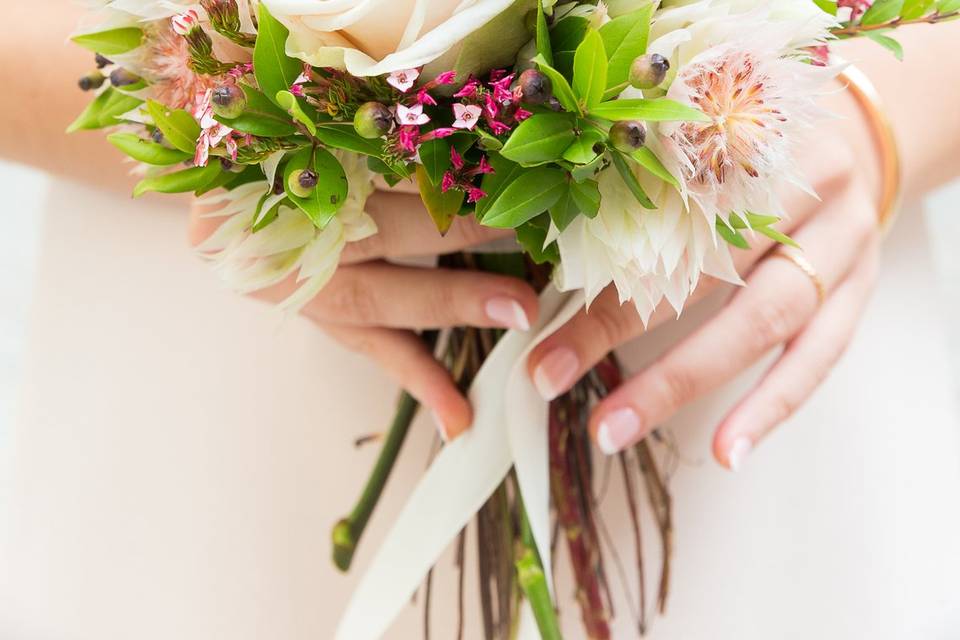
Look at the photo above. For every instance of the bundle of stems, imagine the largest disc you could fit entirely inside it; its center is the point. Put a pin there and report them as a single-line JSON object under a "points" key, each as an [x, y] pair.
{"points": [[509, 567]]}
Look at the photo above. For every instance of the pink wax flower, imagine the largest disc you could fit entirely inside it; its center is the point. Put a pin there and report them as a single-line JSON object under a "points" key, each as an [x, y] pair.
{"points": [[404, 79], [466, 115]]}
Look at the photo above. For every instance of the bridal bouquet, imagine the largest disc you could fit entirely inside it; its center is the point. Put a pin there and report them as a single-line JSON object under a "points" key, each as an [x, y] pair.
{"points": [[628, 143]]}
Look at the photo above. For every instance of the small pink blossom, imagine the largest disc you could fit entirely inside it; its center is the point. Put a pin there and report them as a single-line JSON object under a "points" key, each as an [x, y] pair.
{"points": [[423, 97], [493, 109], [456, 159], [297, 90], [184, 23], [448, 182], [408, 138], [411, 115], [497, 127], [404, 79], [484, 167], [439, 132], [497, 74], [241, 70], [468, 90], [501, 89], [475, 194], [212, 133], [446, 77], [466, 115], [521, 114]]}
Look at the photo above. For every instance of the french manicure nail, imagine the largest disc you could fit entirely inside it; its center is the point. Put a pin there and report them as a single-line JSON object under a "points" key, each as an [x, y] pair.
{"points": [[556, 373], [507, 312], [617, 430], [738, 452], [441, 427]]}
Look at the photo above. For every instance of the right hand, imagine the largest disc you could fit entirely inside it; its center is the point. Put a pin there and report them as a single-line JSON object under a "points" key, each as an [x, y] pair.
{"points": [[374, 307]]}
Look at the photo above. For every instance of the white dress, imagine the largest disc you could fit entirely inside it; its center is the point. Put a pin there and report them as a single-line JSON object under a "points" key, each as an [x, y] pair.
{"points": [[180, 457]]}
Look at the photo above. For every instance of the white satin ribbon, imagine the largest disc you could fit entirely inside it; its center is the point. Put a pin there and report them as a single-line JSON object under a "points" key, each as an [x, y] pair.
{"points": [[509, 430]]}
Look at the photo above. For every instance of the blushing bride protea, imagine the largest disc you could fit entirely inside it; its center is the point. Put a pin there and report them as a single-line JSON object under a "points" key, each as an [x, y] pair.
{"points": [[742, 62], [291, 245]]}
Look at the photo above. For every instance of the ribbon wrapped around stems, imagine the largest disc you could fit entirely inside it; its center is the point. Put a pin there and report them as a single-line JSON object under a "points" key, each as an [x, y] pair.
{"points": [[509, 431]]}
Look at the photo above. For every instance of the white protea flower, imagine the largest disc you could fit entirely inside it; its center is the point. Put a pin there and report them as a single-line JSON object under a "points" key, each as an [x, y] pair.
{"points": [[291, 244], [741, 63]]}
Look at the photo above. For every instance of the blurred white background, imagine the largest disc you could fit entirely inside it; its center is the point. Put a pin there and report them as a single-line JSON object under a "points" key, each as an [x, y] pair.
{"points": [[24, 190]]}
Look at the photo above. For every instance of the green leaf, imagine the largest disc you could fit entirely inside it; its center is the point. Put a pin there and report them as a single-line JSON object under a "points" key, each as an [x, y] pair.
{"points": [[289, 102], [946, 7], [887, 43], [565, 36], [435, 157], [331, 190], [442, 207], [587, 196], [105, 110], [827, 6], [532, 234], [146, 150], [646, 159], [590, 71], [543, 35], [565, 210], [652, 110], [732, 236], [274, 71], [625, 38], [532, 193], [261, 117], [882, 11], [561, 88], [112, 42], [504, 173], [178, 126], [184, 181], [630, 179], [582, 151], [913, 9], [343, 136], [540, 138], [488, 141]]}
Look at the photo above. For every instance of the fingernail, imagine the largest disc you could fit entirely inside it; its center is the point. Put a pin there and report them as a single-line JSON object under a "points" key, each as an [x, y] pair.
{"points": [[617, 430], [441, 427], [507, 312], [556, 373], [738, 452]]}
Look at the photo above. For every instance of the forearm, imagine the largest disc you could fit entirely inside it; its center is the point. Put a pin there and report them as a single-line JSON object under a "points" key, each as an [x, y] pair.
{"points": [[922, 97], [39, 70]]}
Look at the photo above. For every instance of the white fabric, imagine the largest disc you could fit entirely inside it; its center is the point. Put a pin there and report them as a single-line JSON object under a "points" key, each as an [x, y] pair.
{"points": [[179, 461]]}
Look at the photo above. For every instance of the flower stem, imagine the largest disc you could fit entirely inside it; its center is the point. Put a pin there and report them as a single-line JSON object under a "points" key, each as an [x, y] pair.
{"points": [[533, 582], [858, 29], [347, 532]]}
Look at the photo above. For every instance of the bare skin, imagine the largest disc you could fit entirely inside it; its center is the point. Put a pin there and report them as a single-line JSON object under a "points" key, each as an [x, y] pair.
{"points": [[373, 306]]}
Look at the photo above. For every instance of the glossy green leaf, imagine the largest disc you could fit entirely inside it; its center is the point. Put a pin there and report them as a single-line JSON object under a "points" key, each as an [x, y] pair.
{"points": [[625, 38], [104, 111], [586, 195], [652, 110], [540, 138], [274, 70], [532, 193], [590, 71], [178, 127], [562, 90], [564, 210], [583, 149], [185, 181], [146, 150], [111, 42], [882, 11], [435, 159], [442, 207], [343, 136], [504, 173], [565, 36], [331, 190], [887, 43], [291, 105], [532, 234], [646, 159], [543, 35], [630, 179], [732, 236]]}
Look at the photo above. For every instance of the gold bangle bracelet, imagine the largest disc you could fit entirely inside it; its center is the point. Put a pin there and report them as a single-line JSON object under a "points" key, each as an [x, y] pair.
{"points": [[885, 141]]}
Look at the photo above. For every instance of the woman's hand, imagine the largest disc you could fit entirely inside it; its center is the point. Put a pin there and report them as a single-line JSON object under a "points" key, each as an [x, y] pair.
{"points": [[781, 304], [372, 306]]}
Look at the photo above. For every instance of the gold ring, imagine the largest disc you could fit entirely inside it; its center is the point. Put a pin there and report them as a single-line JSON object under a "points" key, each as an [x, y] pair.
{"points": [[804, 265]]}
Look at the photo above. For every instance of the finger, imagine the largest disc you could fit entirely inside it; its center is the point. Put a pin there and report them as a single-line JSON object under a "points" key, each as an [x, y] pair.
{"points": [[777, 302], [380, 294], [805, 363], [405, 229], [406, 359], [559, 361]]}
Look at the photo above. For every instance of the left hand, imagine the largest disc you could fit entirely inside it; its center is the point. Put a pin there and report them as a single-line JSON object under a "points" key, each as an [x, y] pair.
{"points": [[780, 305]]}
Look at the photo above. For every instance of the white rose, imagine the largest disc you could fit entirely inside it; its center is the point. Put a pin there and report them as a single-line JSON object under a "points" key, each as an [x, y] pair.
{"points": [[375, 37]]}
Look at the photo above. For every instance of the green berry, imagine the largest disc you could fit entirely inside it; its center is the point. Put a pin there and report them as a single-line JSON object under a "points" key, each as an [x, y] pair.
{"points": [[228, 101], [627, 136], [373, 120], [302, 182], [649, 71]]}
